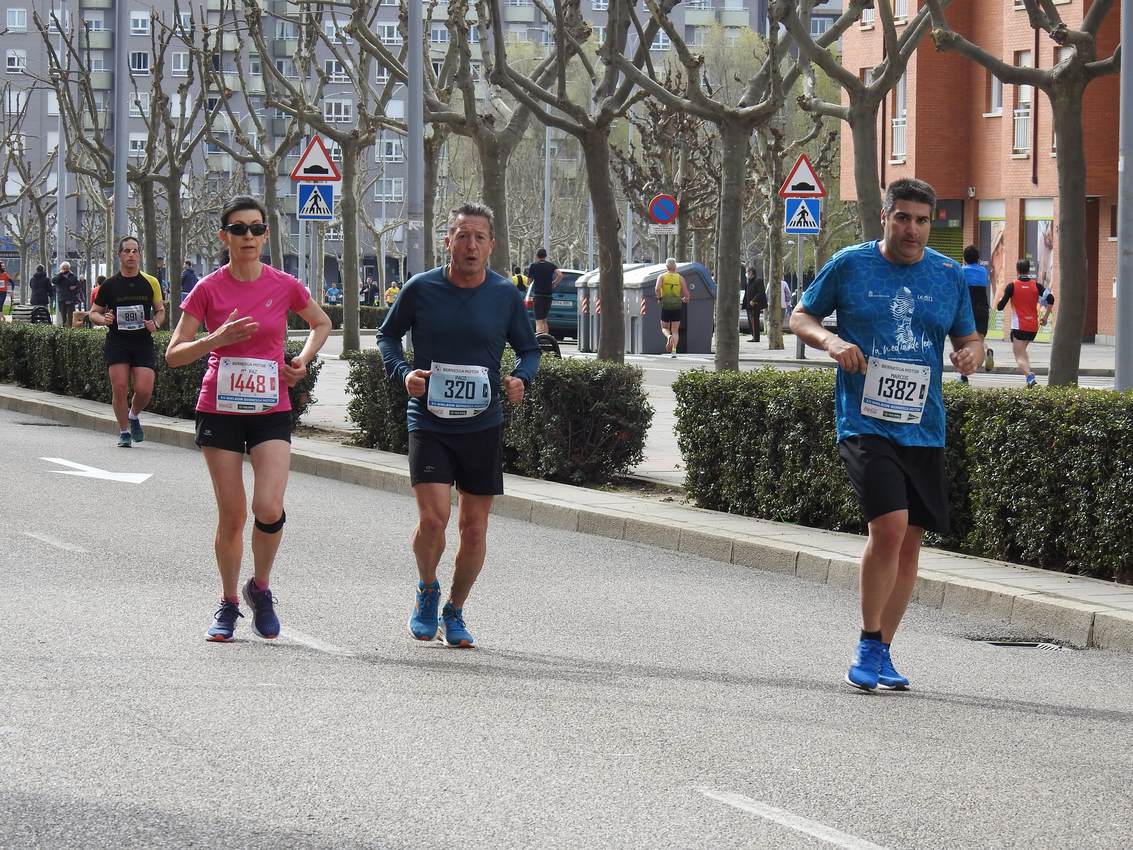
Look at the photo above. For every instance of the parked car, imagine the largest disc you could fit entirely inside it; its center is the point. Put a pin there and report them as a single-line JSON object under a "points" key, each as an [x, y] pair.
{"points": [[563, 318]]}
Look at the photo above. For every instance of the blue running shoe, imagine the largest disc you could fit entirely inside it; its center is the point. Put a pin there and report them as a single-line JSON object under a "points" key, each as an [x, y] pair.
{"points": [[136, 432], [456, 635], [125, 440], [889, 678], [423, 620], [224, 622], [866, 667], [264, 622]]}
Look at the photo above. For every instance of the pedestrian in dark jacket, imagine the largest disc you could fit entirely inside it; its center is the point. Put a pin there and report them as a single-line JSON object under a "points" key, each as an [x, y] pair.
{"points": [[755, 300], [40, 288], [66, 293], [188, 279]]}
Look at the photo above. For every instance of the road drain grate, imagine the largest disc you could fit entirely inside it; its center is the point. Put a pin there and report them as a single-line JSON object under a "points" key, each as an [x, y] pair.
{"points": [[1026, 644]]}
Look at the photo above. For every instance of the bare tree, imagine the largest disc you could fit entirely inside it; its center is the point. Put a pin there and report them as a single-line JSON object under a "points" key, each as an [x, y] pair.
{"points": [[865, 96], [590, 123], [1065, 86]]}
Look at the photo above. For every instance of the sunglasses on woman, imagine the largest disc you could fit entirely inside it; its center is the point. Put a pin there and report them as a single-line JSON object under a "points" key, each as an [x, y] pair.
{"points": [[239, 228]]}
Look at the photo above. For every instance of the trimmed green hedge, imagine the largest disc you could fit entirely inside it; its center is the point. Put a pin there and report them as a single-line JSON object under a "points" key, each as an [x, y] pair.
{"points": [[368, 317], [68, 361], [1041, 477], [582, 421]]}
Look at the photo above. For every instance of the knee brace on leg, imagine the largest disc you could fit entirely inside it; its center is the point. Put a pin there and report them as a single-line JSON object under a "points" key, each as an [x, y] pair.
{"points": [[272, 527]]}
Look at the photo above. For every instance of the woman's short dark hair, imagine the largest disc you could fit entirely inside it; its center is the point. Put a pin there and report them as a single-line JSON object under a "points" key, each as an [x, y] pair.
{"points": [[242, 202]]}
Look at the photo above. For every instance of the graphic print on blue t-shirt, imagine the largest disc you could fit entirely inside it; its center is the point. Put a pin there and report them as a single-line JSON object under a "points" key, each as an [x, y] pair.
{"points": [[896, 312]]}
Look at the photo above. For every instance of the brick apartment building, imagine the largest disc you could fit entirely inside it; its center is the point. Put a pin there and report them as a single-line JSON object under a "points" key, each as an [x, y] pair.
{"points": [[989, 149]]}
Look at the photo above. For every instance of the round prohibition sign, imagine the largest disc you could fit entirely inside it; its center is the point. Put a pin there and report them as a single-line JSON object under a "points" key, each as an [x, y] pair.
{"points": [[663, 209]]}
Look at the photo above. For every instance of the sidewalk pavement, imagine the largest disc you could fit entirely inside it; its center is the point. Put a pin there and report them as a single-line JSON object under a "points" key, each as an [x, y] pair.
{"points": [[1076, 611]]}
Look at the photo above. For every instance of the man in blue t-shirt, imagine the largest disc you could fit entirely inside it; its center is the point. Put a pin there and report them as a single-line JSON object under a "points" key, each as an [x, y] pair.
{"points": [[896, 301], [461, 316]]}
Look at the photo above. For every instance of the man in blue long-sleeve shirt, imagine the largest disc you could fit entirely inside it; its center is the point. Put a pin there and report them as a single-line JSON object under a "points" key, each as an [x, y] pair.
{"points": [[461, 316]]}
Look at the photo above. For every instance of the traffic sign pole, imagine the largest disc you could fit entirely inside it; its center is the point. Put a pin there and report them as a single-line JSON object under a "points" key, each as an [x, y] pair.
{"points": [[800, 346]]}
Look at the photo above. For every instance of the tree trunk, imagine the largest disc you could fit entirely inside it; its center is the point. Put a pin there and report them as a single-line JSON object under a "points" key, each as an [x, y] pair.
{"points": [[315, 254], [493, 168], [25, 274], [596, 152], [867, 180], [775, 261], [149, 218], [41, 244], [348, 266], [1073, 270], [735, 139], [433, 145], [271, 201]]}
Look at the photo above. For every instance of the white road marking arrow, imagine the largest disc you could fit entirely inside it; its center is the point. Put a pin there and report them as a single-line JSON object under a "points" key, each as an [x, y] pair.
{"points": [[84, 471]]}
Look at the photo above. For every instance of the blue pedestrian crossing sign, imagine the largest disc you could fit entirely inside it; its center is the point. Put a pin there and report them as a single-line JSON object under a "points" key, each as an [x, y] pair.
{"points": [[316, 202], [802, 216]]}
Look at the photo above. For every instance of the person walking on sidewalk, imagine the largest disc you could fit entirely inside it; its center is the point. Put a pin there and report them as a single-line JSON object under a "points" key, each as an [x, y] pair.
{"points": [[66, 293], [544, 276], [1026, 295], [129, 304], [5, 285], [243, 406], [40, 288], [977, 277], [755, 299], [461, 316], [896, 301], [672, 291]]}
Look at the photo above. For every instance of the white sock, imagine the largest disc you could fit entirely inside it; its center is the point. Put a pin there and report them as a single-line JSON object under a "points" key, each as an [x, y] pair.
{"points": [[132, 415]]}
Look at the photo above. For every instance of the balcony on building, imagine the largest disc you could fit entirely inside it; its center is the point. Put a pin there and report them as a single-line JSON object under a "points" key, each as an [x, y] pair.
{"points": [[98, 39], [897, 146], [1021, 145], [101, 80], [734, 13]]}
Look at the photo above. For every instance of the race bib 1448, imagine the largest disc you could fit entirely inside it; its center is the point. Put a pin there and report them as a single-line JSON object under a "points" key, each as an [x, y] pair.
{"points": [[246, 385]]}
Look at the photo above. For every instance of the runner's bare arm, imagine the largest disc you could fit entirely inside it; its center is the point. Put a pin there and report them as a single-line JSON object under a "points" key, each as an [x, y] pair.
{"points": [[968, 353], [320, 323], [184, 348], [810, 330]]}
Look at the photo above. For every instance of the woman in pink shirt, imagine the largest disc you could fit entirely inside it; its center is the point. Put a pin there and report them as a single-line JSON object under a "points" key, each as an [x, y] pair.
{"points": [[243, 405]]}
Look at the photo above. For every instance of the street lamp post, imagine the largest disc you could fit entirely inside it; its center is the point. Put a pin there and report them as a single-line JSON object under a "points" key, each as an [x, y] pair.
{"points": [[1123, 310], [415, 143]]}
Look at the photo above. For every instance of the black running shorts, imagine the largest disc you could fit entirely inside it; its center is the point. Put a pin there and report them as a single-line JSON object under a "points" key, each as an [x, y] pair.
{"points": [[541, 305], [241, 432], [1023, 336], [472, 460], [136, 353], [887, 477], [671, 315]]}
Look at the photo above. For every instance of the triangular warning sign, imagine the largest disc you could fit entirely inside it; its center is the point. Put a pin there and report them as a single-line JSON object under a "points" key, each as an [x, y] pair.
{"points": [[802, 182], [802, 219], [315, 164], [315, 205]]}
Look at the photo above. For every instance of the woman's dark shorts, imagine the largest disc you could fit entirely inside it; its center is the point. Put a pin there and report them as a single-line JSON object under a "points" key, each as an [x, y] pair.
{"points": [[241, 432], [473, 460], [887, 477], [1023, 336]]}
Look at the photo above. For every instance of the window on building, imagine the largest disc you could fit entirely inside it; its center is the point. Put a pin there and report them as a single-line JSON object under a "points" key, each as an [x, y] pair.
{"points": [[598, 34], [517, 32], [286, 29], [695, 36], [732, 35], [388, 33], [389, 150], [139, 104], [338, 110], [139, 23], [1061, 54], [546, 39], [97, 61], [700, 5], [334, 32], [519, 3], [1022, 112], [17, 20], [17, 61], [818, 26], [52, 103], [1113, 221], [54, 16], [900, 10], [438, 34], [661, 41], [735, 5], [138, 144], [395, 109], [600, 5], [994, 95], [179, 66], [14, 100], [335, 71], [139, 63], [255, 67], [867, 18], [437, 65], [389, 189], [334, 150], [383, 75], [184, 22], [93, 20], [899, 121], [287, 69]]}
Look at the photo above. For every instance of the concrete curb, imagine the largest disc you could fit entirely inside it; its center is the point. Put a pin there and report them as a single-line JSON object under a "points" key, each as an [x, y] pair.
{"points": [[1022, 597]]}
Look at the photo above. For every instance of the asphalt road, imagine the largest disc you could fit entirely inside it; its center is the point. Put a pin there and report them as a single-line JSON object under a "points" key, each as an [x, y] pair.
{"points": [[622, 696]]}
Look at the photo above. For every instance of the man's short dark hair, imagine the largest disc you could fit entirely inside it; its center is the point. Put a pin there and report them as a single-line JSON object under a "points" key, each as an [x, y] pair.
{"points": [[471, 209], [126, 239], [908, 189], [971, 254], [242, 202], [541, 254], [515, 270], [188, 264], [1023, 267]]}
